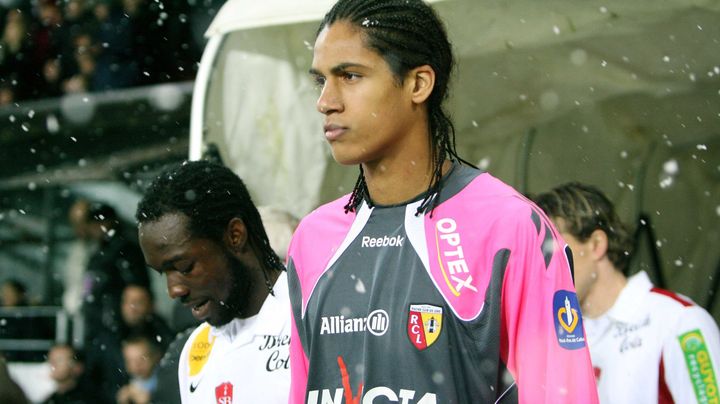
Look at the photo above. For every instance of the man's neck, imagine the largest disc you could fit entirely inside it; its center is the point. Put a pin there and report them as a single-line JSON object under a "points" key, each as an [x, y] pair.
{"points": [[397, 181], [261, 291], [65, 386], [604, 292]]}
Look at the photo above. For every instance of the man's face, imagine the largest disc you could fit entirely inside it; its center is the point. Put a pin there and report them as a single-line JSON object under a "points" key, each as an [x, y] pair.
{"points": [[136, 305], [140, 360], [585, 274], [367, 113], [200, 272], [62, 365], [78, 217]]}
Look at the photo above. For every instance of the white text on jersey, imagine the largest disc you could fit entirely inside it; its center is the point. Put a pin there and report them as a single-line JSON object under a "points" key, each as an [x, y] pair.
{"points": [[384, 241], [455, 257], [376, 323], [387, 394]]}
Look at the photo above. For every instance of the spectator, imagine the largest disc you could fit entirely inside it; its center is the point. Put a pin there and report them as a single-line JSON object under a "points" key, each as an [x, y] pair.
{"points": [[131, 42], [45, 36], [17, 325], [12, 326], [13, 293], [116, 62], [138, 313], [77, 23], [10, 392], [168, 389], [647, 344], [116, 263], [15, 58], [142, 356], [67, 369], [78, 256], [7, 94], [105, 357]]}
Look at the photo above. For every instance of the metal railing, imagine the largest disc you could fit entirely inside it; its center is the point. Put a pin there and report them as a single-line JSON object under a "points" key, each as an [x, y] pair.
{"points": [[65, 328]]}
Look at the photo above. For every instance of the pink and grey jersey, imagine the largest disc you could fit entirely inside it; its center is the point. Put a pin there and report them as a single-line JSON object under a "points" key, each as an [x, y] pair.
{"points": [[474, 303]]}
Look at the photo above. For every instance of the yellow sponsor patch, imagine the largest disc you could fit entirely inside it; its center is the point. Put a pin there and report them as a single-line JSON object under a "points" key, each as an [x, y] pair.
{"points": [[700, 367], [200, 351]]}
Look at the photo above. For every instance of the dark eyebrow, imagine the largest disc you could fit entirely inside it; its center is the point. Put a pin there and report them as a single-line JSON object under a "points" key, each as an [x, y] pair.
{"points": [[339, 69], [168, 263]]}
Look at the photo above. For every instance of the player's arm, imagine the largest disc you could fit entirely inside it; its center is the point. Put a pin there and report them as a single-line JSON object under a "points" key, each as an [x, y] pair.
{"points": [[690, 358], [298, 359], [543, 340], [183, 370]]}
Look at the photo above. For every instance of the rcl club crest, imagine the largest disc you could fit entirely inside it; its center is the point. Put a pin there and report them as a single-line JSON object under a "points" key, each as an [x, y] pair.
{"points": [[424, 324], [224, 393]]}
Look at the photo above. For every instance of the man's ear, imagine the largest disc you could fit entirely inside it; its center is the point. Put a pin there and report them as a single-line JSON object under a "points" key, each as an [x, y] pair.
{"points": [[422, 81], [236, 235], [598, 244]]}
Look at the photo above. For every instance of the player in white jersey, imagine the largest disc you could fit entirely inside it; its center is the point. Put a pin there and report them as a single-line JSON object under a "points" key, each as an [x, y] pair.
{"points": [[648, 345], [199, 227]]}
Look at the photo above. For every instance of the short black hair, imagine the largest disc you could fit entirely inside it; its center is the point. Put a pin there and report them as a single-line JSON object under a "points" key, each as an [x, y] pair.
{"points": [[17, 285], [210, 195]]}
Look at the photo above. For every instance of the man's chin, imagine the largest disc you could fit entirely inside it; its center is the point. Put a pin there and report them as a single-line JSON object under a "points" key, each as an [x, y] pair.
{"points": [[220, 319]]}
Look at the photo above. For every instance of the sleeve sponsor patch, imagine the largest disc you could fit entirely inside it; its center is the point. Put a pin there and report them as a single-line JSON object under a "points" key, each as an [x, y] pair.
{"points": [[700, 366], [200, 351], [568, 320]]}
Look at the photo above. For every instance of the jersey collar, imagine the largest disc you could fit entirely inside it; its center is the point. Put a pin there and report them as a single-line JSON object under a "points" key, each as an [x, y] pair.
{"points": [[631, 298]]}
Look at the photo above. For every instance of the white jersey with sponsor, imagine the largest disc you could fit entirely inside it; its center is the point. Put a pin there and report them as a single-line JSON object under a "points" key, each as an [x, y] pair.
{"points": [[654, 346], [244, 361]]}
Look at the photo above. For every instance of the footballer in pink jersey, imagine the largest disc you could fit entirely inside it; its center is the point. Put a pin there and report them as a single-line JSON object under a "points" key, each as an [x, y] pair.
{"points": [[432, 282]]}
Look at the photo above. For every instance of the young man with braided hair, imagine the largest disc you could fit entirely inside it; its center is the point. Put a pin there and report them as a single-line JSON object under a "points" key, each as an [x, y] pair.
{"points": [[432, 278], [199, 227], [648, 345]]}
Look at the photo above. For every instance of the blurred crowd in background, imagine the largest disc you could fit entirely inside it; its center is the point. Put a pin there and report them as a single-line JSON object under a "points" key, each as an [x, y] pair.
{"points": [[53, 47]]}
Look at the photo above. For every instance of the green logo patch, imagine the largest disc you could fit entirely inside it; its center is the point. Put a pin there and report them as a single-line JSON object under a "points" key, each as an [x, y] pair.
{"points": [[700, 367]]}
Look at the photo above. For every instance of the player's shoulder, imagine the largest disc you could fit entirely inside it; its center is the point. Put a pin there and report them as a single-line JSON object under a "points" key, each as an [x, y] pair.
{"points": [[492, 201], [678, 310], [199, 334], [330, 214]]}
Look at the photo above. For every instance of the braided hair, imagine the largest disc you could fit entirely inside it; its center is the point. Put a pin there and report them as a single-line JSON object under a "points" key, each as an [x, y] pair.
{"points": [[210, 195], [407, 34]]}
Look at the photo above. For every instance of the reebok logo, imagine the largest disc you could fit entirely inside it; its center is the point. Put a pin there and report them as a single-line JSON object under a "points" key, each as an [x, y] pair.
{"points": [[384, 241]]}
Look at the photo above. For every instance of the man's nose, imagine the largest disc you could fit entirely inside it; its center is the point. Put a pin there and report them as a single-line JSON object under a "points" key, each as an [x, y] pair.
{"points": [[329, 100], [176, 288]]}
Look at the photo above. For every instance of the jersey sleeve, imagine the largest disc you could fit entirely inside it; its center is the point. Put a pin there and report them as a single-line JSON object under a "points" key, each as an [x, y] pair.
{"points": [[691, 355], [298, 359], [183, 370], [543, 340]]}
